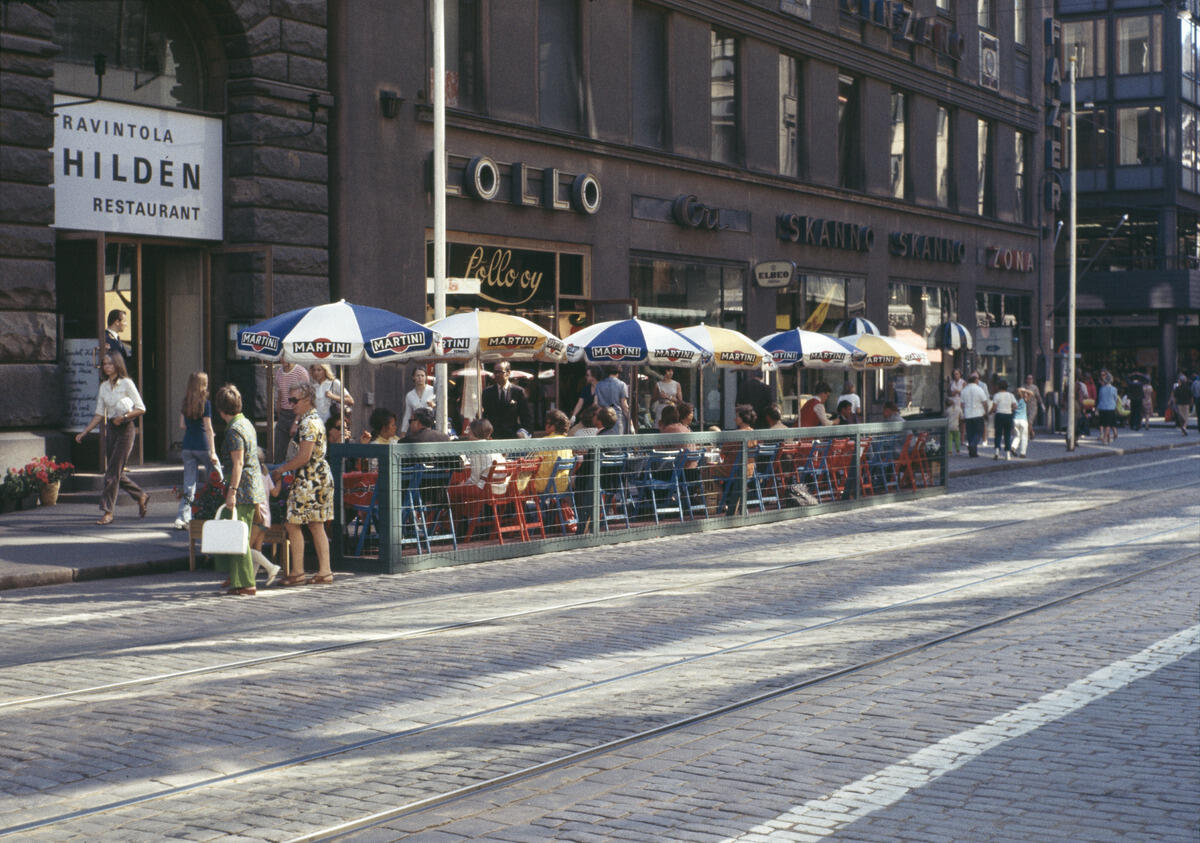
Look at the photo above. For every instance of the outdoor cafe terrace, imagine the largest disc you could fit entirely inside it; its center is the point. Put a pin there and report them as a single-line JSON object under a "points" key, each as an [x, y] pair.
{"points": [[405, 507]]}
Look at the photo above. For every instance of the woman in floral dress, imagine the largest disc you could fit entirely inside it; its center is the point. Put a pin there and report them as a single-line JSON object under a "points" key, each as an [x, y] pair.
{"points": [[310, 500]]}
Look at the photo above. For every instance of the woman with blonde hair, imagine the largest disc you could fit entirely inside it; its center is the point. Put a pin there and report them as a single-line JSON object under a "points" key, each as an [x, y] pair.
{"points": [[118, 403], [330, 395], [199, 444]]}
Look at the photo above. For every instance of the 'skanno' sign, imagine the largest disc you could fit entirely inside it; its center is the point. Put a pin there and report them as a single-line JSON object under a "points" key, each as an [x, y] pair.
{"points": [[136, 170]]}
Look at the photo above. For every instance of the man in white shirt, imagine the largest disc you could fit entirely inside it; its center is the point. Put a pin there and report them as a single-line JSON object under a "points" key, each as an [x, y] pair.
{"points": [[975, 408]]}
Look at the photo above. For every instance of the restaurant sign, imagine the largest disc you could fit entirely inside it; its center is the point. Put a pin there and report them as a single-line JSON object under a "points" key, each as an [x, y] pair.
{"points": [[134, 170], [500, 274]]}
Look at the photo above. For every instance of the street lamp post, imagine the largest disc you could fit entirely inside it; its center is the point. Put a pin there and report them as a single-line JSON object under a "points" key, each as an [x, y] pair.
{"points": [[1071, 251], [439, 193]]}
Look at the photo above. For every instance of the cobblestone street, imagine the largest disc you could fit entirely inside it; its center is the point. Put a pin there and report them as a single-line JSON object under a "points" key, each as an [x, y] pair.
{"points": [[1014, 660]]}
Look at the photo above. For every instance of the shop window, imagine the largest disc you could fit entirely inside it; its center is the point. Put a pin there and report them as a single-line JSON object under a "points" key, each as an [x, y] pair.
{"points": [[463, 69], [1003, 336], [560, 92], [943, 160], [1139, 135], [723, 97], [1091, 149], [1139, 41], [649, 69], [151, 56], [915, 312], [1085, 39], [790, 134], [898, 162], [849, 125]]}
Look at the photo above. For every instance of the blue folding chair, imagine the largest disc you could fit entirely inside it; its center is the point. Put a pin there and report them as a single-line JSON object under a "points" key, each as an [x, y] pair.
{"points": [[366, 519], [658, 486], [691, 482], [614, 496], [815, 472], [762, 486], [412, 508], [435, 480]]}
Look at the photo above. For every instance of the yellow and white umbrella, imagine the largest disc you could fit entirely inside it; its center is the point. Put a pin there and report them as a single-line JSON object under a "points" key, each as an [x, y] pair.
{"points": [[886, 352], [481, 335], [729, 348]]}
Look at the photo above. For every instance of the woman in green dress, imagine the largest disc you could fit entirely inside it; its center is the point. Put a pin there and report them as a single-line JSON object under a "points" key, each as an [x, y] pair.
{"points": [[245, 490], [310, 500]]}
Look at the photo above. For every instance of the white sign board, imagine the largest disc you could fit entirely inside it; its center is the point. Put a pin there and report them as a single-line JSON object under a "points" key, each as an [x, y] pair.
{"points": [[82, 381], [135, 170], [994, 342]]}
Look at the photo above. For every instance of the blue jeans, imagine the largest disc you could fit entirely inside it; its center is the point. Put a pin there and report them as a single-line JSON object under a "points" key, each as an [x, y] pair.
{"points": [[192, 460]]}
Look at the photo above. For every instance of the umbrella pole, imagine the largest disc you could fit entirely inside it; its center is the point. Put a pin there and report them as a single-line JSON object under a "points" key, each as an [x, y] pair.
{"points": [[700, 397], [342, 403]]}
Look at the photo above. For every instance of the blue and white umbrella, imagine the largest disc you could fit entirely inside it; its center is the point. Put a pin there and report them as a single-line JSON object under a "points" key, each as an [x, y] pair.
{"points": [[337, 334], [634, 342], [857, 325], [954, 336], [809, 350]]}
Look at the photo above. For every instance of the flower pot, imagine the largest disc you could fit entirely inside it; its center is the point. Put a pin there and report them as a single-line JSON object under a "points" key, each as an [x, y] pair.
{"points": [[49, 493]]}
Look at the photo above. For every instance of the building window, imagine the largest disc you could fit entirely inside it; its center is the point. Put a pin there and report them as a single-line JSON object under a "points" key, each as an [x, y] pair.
{"points": [[848, 134], [942, 158], [1020, 23], [462, 54], [1187, 48], [1139, 135], [1138, 45], [944, 7], [915, 311], [1187, 140], [985, 155], [559, 78], [723, 96], [649, 68], [899, 169], [985, 14], [152, 57], [789, 116], [1020, 177], [1085, 40], [1091, 148]]}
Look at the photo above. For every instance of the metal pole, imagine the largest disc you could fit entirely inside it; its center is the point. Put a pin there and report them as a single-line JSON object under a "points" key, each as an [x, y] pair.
{"points": [[439, 193], [1071, 277]]}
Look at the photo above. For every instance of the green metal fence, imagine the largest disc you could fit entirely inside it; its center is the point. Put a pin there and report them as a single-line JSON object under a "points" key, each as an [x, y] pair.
{"points": [[617, 488]]}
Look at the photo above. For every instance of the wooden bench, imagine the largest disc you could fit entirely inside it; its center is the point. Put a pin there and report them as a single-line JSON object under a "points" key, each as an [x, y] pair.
{"points": [[276, 537]]}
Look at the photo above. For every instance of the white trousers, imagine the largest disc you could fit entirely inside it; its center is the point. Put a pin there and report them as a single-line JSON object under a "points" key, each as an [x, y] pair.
{"points": [[1020, 436]]}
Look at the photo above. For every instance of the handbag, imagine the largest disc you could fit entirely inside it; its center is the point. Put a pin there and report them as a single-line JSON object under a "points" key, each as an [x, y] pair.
{"points": [[229, 536]]}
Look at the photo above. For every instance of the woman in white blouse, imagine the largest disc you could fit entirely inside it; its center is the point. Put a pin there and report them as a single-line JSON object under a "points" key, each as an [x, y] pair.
{"points": [[330, 393], [119, 403], [421, 395]]}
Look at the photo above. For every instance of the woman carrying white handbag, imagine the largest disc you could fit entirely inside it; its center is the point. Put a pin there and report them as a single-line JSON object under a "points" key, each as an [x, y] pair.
{"points": [[245, 489]]}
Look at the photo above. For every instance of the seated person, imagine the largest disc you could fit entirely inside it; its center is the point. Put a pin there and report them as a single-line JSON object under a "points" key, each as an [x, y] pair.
{"points": [[775, 418], [556, 428], [469, 496], [382, 428], [845, 413]]}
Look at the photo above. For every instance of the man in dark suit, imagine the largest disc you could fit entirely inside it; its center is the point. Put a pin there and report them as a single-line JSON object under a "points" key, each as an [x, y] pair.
{"points": [[758, 395], [505, 406]]}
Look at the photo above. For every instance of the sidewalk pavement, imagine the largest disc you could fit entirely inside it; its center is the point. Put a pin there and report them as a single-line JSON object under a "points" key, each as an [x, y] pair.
{"points": [[62, 543]]}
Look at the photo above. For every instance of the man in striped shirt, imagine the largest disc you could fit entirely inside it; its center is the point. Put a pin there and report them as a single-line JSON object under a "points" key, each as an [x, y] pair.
{"points": [[287, 377]]}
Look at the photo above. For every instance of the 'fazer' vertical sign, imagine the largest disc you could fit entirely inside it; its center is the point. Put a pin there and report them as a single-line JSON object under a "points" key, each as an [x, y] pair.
{"points": [[136, 170]]}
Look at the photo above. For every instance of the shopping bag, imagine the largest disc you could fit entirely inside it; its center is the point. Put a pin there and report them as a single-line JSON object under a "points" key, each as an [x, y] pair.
{"points": [[223, 535]]}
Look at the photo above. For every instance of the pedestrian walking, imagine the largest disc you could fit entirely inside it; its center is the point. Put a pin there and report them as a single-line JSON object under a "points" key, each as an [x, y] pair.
{"points": [[1034, 405], [118, 403], [1106, 409], [199, 444], [310, 500], [611, 392], [1181, 401], [975, 410], [1136, 386], [953, 424], [1021, 422], [245, 490], [1004, 408]]}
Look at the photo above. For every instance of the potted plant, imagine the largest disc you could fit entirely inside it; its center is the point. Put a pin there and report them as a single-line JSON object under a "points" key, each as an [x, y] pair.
{"points": [[15, 488], [206, 503], [48, 474]]}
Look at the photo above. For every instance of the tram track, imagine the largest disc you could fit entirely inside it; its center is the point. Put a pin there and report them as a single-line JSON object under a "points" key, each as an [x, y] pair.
{"points": [[760, 642], [437, 801], [408, 606]]}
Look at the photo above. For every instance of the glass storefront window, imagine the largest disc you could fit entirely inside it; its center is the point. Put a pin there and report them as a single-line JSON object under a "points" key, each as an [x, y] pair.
{"points": [[151, 56], [1003, 336], [679, 294], [1139, 45], [915, 312]]}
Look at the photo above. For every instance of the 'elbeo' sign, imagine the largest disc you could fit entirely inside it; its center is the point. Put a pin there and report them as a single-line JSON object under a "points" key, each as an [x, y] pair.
{"points": [[774, 273]]}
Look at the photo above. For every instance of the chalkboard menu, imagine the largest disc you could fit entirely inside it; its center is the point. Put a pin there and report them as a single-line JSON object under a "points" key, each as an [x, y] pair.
{"points": [[82, 380]]}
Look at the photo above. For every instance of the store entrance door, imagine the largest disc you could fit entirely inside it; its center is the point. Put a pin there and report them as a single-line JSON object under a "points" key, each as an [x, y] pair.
{"points": [[161, 287]]}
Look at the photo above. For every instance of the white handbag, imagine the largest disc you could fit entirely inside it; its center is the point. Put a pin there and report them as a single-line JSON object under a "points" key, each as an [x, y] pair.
{"points": [[224, 536]]}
